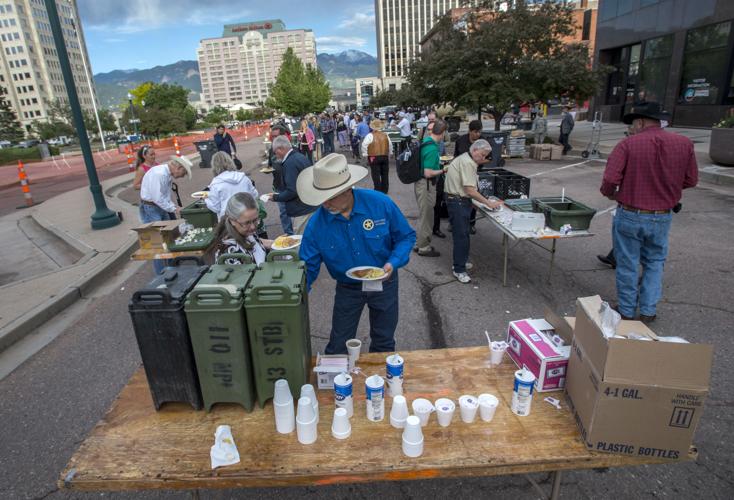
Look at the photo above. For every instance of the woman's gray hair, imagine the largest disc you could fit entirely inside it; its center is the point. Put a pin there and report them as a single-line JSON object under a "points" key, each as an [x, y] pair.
{"points": [[281, 142], [238, 203], [479, 144], [222, 162]]}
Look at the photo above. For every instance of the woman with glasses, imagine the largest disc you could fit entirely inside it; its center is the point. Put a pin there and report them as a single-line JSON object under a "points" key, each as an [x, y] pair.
{"points": [[145, 161], [237, 230]]}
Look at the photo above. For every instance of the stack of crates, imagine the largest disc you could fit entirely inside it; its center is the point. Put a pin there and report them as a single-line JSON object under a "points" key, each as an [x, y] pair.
{"points": [[218, 329], [157, 313], [516, 145], [503, 184], [276, 306]]}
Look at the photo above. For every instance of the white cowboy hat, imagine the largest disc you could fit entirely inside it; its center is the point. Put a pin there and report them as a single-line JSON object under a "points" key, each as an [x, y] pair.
{"points": [[183, 161], [329, 177]]}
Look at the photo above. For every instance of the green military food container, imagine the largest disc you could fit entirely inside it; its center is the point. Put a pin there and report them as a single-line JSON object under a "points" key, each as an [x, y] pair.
{"points": [[561, 211], [216, 318], [198, 215], [276, 306]]}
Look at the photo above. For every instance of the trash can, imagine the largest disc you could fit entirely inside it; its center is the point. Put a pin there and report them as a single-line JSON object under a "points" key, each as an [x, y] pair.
{"points": [[206, 150], [216, 317], [198, 214], [497, 141], [276, 307], [159, 321], [453, 123]]}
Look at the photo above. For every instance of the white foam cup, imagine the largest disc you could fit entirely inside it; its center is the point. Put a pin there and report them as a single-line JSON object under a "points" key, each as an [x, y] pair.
{"points": [[306, 422], [422, 409], [413, 437], [398, 412], [307, 391], [285, 415], [496, 352], [487, 406], [341, 428], [445, 411], [469, 406], [354, 346]]}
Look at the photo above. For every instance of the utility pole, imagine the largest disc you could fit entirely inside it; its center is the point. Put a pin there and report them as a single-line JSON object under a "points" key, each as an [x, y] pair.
{"points": [[89, 84], [102, 217]]}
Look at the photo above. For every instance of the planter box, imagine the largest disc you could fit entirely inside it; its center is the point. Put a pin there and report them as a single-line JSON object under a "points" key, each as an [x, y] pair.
{"points": [[721, 147]]}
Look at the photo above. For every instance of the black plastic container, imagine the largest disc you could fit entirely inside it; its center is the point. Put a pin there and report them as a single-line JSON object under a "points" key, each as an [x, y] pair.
{"points": [[502, 184], [159, 321], [497, 141]]}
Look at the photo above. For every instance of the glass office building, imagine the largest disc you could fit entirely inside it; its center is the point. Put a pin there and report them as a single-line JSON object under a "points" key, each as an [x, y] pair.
{"points": [[677, 52]]}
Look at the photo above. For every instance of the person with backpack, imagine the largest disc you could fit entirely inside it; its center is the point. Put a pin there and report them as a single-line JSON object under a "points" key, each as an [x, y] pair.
{"points": [[425, 188]]}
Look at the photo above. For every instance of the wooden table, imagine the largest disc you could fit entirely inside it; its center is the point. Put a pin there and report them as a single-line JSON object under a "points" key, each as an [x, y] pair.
{"points": [[135, 447], [520, 236]]}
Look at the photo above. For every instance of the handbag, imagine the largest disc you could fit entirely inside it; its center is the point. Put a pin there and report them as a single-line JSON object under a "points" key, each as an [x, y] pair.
{"points": [[237, 163]]}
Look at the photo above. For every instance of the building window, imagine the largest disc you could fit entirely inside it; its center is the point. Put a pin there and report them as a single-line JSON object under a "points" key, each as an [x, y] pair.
{"points": [[655, 68], [705, 64]]}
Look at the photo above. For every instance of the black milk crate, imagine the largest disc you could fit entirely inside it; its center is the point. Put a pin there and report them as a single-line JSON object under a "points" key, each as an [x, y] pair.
{"points": [[502, 184]]}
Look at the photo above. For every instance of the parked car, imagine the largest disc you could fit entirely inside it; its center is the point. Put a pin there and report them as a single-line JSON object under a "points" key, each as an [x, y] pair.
{"points": [[5, 144], [60, 141], [28, 144]]}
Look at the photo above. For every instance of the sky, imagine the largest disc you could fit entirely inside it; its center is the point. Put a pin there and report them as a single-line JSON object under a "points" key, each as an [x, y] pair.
{"points": [[139, 34]]}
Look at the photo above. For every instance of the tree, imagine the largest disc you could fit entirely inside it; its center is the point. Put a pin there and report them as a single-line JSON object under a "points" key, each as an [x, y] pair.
{"points": [[140, 93], [243, 115], [10, 128], [298, 90], [50, 129], [495, 58], [217, 115]]}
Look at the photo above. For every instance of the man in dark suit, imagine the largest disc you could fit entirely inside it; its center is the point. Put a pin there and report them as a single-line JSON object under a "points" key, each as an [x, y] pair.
{"points": [[292, 163]]}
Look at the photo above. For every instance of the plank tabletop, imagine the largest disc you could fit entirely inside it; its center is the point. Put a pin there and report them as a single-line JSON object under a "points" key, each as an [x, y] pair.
{"points": [[135, 447]]}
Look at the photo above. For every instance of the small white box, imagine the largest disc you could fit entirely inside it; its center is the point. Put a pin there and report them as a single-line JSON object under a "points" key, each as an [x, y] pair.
{"points": [[329, 366], [526, 221]]}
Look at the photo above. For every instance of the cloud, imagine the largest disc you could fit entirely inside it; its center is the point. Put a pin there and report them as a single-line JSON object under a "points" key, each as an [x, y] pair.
{"points": [[341, 41], [113, 40], [362, 20], [135, 16]]}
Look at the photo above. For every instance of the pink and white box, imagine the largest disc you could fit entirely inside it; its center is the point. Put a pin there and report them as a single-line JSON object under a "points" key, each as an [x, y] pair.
{"points": [[542, 348]]}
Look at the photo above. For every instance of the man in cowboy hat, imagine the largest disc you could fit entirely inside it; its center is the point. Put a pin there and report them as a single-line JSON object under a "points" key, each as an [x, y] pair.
{"points": [[645, 175], [376, 148], [155, 194], [354, 227]]}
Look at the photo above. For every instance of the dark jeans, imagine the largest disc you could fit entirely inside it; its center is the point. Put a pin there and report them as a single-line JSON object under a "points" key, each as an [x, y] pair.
{"points": [[440, 182], [152, 213], [328, 142], [349, 300], [563, 139], [380, 167], [307, 152], [459, 217]]}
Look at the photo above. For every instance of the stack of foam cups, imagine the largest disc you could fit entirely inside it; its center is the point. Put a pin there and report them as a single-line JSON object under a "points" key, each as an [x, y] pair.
{"points": [[413, 437], [399, 412], [341, 427], [285, 417], [306, 421], [308, 392], [353, 348]]}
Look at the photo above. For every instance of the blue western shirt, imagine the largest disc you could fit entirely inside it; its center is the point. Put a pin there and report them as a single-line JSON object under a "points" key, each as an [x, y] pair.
{"points": [[363, 129], [375, 234]]}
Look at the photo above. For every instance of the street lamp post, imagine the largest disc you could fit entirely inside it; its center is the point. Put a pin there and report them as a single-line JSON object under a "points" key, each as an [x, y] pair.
{"points": [[102, 217], [133, 120]]}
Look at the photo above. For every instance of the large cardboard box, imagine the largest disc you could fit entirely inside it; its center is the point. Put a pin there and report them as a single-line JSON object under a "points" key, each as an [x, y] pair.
{"points": [[543, 347], [635, 397], [556, 152], [157, 235], [541, 151]]}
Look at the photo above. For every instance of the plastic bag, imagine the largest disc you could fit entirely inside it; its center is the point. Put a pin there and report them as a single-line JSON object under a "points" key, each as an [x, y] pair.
{"points": [[609, 320]]}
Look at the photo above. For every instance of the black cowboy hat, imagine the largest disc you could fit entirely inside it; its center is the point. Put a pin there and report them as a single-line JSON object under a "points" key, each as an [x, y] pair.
{"points": [[646, 110]]}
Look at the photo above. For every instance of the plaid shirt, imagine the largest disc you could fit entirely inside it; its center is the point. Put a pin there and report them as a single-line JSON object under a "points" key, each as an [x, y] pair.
{"points": [[649, 170]]}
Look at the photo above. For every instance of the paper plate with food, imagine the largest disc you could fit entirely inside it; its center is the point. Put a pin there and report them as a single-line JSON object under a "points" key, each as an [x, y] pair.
{"points": [[366, 273], [200, 195], [267, 170], [286, 242], [447, 158]]}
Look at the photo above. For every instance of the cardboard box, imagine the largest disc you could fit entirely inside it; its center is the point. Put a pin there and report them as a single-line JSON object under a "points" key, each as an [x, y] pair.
{"points": [[635, 397], [556, 152], [541, 151], [157, 235], [531, 345], [329, 366]]}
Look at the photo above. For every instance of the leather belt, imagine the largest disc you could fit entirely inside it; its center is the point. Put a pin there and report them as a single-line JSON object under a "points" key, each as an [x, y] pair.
{"points": [[146, 202], [639, 211], [455, 197]]}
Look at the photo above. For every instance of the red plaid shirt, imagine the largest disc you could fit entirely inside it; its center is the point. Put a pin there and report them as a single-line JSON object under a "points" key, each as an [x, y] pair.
{"points": [[650, 169]]}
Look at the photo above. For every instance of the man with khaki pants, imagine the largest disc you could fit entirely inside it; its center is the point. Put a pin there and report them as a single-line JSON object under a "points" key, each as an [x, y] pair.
{"points": [[425, 189]]}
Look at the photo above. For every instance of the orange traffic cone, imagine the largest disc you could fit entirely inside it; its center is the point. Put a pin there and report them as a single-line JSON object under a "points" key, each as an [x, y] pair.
{"points": [[175, 145], [24, 185], [129, 153]]}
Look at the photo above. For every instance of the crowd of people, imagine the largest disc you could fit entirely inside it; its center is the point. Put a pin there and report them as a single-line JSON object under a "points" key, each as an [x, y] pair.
{"points": [[343, 226]]}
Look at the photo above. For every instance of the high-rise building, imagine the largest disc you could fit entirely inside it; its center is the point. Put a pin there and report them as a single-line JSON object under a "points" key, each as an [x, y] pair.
{"points": [[240, 66], [29, 65], [400, 25]]}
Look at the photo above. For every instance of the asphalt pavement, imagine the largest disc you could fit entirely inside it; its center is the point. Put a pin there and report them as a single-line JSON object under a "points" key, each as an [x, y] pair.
{"points": [[52, 401]]}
